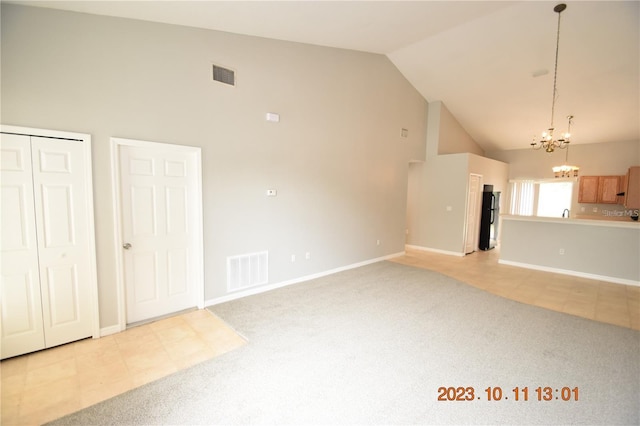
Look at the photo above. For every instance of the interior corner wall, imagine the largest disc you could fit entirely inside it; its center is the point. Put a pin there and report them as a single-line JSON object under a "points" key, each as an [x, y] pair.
{"points": [[415, 191], [493, 172], [433, 128], [440, 187], [453, 138], [336, 158], [437, 194]]}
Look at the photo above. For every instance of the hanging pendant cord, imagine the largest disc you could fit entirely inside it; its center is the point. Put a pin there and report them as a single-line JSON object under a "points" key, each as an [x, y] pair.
{"points": [[555, 72]]}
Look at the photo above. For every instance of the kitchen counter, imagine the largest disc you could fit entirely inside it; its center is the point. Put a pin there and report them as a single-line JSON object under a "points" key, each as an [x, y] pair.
{"points": [[607, 250], [612, 221]]}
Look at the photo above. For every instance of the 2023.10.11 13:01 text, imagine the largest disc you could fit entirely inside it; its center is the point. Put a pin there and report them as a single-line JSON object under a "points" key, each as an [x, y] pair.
{"points": [[519, 394]]}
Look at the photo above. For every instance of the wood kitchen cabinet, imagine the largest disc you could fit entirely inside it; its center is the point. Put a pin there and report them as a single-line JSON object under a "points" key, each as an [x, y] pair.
{"points": [[608, 189], [588, 189], [632, 188], [600, 189]]}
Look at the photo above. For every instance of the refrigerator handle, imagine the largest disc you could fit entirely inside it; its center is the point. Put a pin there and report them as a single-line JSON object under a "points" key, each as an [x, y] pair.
{"points": [[493, 208]]}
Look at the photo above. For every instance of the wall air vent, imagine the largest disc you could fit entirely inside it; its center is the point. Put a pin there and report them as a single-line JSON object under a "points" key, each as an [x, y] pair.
{"points": [[247, 270], [224, 75]]}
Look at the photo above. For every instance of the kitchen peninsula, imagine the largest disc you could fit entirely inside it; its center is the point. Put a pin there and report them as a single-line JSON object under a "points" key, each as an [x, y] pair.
{"points": [[607, 250]]}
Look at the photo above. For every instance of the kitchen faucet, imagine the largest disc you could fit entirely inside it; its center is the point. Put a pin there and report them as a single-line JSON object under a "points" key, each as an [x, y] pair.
{"points": [[565, 211]]}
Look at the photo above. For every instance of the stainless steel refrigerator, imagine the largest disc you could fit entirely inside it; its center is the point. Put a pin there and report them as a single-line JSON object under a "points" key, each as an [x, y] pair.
{"points": [[489, 219]]}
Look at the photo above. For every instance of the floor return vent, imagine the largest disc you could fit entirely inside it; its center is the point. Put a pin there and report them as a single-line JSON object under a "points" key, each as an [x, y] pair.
{"points": [[247, 270]]}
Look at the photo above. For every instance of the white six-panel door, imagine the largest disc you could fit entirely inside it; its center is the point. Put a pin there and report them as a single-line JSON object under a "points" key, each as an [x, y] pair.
{"points": [[63, 245], [46, 247], [22, 327], [159, 192]]}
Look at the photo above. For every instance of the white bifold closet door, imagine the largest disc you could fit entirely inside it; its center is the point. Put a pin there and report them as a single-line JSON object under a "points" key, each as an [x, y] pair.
{"points": [[45, 246]]}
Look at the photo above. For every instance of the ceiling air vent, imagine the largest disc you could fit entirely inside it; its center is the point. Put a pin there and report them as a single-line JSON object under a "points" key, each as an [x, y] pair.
{"points": [[224, 75]]}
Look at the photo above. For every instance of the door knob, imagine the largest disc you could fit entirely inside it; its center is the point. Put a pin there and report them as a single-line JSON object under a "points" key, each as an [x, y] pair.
{"points": [[126, 246]]}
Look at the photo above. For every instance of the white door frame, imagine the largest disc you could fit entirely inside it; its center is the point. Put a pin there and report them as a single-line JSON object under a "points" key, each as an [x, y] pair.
{"points": [[88, 176], [198, 275], [475, 226]]}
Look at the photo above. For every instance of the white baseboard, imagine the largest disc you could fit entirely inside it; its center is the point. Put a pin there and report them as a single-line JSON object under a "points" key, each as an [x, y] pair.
{"points": [[450, 253], [110, 330], [269, 287], [572, 273]]}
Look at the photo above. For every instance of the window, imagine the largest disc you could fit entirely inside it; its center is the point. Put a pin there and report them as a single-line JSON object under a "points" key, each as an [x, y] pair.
{"points": [[554, 198], [548, 199], [522, 197]]}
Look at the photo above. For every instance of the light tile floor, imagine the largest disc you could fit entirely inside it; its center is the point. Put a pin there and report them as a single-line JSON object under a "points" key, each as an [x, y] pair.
{"points": [[45, 385], [597, 300], [42, 386]]}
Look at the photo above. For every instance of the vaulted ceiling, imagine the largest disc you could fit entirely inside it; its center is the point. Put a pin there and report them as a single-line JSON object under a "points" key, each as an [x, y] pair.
{"points": [[490, 62]]}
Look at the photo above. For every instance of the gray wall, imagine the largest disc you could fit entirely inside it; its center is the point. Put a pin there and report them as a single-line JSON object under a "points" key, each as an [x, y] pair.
{"points": [[493, 172], [445, 135], [438, 183], [601, 159], [437, 197], [454, 139], [605, 251], [336, 158], [612, 158], [438, 187]]}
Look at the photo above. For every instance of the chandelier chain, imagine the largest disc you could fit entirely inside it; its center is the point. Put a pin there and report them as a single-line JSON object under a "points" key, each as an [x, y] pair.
{"points": [[555, 72]]}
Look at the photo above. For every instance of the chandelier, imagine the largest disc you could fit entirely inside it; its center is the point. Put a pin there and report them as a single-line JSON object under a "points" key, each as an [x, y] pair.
{"points": [[566, 171], [548, 141]]}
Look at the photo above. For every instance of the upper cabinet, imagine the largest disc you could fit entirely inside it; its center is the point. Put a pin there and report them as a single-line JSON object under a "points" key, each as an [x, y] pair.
{"points": [[632, 188], [600, 189], [588, 189], [608, 189]]}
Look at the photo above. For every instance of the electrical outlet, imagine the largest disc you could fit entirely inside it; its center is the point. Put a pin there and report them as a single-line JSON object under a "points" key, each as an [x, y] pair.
{"points": [[293, 257], [561, 251], [377, 242], [307, 255], [595, 210]]}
